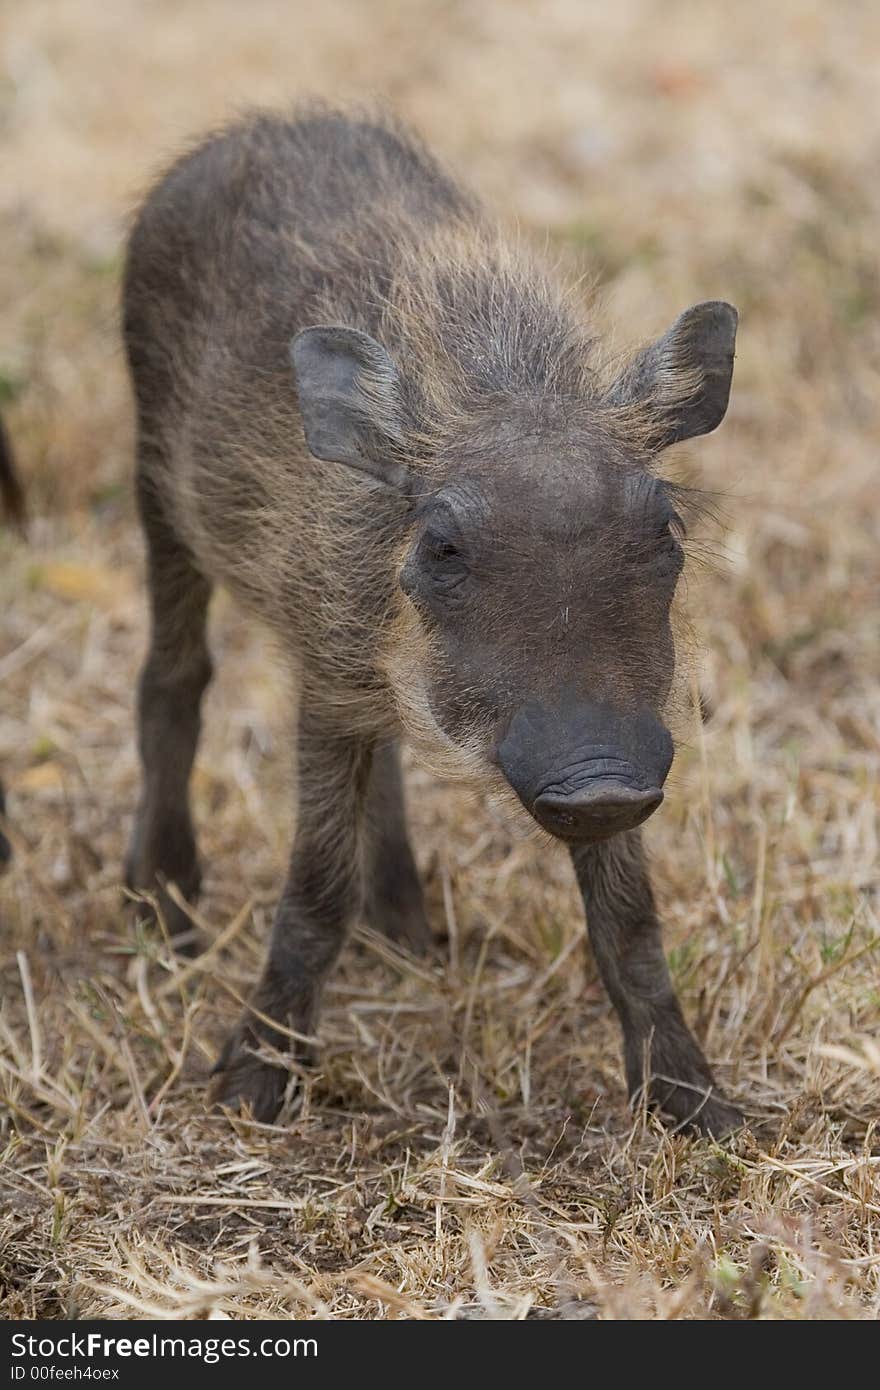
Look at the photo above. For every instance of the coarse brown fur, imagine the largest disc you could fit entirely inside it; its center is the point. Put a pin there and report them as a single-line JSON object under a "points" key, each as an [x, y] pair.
{"points": [[265, 230]]}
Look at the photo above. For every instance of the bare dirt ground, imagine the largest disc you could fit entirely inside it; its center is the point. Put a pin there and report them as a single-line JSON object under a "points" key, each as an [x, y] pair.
{"points": [[466, 1148]]}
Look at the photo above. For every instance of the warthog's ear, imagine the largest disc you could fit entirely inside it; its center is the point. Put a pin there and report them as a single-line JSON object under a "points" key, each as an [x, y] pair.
{"points": [[683, 379], [349, 399]]}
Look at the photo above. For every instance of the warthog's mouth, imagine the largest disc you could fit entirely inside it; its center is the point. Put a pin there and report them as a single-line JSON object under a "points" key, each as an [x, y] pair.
{"points": [[586, 772], [602, 806]]}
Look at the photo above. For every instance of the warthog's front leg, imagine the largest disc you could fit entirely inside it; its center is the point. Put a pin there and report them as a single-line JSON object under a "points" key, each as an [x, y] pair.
{"points": [[659, 1048], [321, 896]]}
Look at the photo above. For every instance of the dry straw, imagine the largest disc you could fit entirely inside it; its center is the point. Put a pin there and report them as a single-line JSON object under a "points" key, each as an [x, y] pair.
{"points": [[465, 1149]]}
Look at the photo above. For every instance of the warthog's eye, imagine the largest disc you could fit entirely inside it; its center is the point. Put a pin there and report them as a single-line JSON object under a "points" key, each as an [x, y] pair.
{"points": [[658, 547], [671, 532], [440, 550], [436, 567], [442, 560]]}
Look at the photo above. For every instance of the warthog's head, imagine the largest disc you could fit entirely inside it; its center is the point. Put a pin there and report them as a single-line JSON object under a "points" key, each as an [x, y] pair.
{"points": [[539, 568]]}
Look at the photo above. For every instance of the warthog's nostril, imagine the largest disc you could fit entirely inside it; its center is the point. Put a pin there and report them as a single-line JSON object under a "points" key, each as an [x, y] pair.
{"points": [[603, 807]]}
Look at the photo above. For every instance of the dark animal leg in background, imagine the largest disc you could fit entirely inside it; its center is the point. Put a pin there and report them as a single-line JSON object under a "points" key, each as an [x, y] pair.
{"points": [[5, 846], [11, 492], [322, 895], [626, 940], [13, 508], [395, 901], [173, 680]]}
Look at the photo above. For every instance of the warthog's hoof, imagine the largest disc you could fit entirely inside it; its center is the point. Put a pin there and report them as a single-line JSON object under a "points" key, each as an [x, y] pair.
{"points": [[698, 1113], [242, 1077], [160, 855], [396, 907], [179, 926], [158, 902], [406, 927]]}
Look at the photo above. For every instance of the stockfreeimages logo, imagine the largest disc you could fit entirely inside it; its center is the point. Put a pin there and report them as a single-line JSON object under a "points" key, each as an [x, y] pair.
{"points": [[93, 1345]]}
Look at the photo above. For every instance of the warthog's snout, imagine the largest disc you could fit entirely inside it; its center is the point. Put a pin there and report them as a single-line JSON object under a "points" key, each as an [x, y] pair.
{"points": [[584, 770], [602, 807]]}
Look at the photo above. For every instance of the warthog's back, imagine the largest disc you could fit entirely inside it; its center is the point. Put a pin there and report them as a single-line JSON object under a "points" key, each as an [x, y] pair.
{"points": [[281, 209], [262, 230]]}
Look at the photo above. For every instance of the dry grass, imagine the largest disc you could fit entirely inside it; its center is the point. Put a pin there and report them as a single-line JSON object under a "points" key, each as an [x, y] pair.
{"points": [[466, 1148]]}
